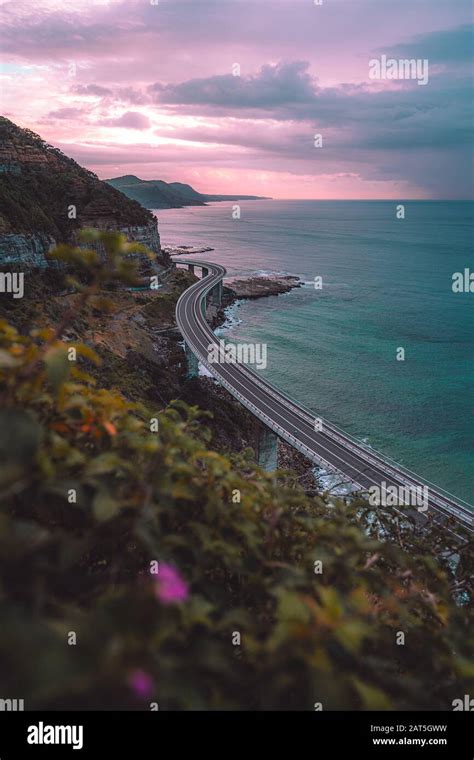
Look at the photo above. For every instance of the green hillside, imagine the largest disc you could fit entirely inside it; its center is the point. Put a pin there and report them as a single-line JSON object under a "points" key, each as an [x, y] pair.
{"points": [[39, 184], [156, 194]]}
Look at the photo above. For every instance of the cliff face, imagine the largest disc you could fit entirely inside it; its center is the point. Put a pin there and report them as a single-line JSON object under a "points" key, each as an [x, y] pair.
{"points": [[46, 197], [28, 250]]}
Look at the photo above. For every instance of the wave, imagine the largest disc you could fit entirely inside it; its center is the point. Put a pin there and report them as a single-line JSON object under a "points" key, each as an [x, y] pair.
{"points": [[332, 482], [231, 318], [204, 372]]}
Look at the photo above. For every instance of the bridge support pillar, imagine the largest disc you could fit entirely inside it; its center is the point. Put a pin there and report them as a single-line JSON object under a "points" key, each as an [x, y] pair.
{"points": [[205, 271], [192, 360], [267, 449], [217, 294], [191, 268]]}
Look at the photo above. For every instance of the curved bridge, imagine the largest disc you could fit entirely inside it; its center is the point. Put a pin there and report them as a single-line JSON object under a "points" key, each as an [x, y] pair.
{"points": [[320, 441]]}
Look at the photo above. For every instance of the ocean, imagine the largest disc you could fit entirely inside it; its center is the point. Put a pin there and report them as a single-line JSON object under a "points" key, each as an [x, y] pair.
{"points": [[386, 285]]}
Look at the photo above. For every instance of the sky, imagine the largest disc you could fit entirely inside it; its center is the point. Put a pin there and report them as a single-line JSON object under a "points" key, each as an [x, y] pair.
{"points": [[230, 95]]}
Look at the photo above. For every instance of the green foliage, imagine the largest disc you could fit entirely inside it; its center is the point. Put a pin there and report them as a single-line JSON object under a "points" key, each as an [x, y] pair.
{"points": [[83, 565], [37, 198]]}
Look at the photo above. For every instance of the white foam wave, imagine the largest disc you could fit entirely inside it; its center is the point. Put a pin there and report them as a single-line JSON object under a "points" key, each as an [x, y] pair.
{"points": [[231, 318], [332, 482], [203, 371]]}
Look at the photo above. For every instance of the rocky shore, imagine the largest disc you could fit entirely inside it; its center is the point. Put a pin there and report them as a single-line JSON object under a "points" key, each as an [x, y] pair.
{"points": [[242, 288], [183, 250], [263, 285]]}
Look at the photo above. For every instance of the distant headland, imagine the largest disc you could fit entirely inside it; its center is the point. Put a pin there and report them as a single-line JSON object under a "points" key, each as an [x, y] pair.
{"points": [[157, 194]]}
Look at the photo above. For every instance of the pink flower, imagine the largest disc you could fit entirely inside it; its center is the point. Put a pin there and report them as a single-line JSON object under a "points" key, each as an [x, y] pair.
{"points": [[171, 588], [141, 684]]}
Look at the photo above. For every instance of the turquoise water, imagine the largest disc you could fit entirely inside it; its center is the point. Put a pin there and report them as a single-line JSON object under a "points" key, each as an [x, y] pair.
{"points": [[386, 285]]}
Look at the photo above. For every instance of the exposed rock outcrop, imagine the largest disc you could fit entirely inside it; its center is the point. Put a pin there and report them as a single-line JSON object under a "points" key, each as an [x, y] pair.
{"points": [[27, 251], [257, 287]]}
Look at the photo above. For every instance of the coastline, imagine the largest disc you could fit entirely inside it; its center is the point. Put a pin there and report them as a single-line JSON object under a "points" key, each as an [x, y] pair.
{"points": [[237, 290], [251, 288]]}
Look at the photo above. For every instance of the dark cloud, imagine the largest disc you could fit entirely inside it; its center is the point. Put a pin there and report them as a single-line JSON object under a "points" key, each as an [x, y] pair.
{"points": [[444, 46], [274, 85], [383, 134], [436, 115]]}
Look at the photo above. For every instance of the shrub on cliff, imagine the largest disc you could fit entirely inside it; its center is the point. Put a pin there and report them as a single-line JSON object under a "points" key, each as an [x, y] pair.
{"points": [[141, 568]]}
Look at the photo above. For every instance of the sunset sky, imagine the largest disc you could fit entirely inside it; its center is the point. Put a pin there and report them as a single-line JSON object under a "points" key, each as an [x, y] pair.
{"points": [[131, 87]]}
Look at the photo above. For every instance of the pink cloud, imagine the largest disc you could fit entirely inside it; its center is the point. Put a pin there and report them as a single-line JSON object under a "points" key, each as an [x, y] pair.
{"points": [[128, 120], [65, 113]]}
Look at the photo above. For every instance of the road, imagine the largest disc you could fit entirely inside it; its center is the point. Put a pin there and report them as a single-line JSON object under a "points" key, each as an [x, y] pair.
{"points": [[328, 447]]}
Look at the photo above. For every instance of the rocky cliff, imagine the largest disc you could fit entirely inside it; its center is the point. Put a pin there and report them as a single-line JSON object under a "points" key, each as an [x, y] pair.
{"points": [[46, 197]]}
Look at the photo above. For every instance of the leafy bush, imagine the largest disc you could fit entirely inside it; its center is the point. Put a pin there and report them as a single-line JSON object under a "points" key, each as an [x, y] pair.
{"points": [[83, 569]]}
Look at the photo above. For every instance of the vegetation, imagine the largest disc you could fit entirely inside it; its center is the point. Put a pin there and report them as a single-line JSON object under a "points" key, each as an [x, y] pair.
{"points": [[36, 191], [133, 558]]}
